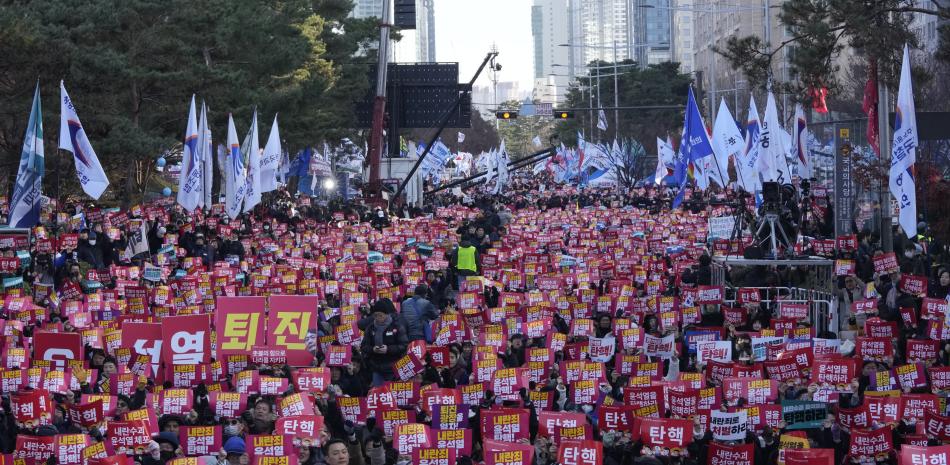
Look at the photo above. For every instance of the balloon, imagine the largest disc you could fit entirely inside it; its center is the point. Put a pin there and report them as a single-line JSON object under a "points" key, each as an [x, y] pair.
{"points": [[167, 191], [160, 162]]}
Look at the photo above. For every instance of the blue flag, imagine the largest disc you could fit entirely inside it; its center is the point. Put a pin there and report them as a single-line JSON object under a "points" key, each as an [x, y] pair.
{"points": [[694, 146], [25, 207]]}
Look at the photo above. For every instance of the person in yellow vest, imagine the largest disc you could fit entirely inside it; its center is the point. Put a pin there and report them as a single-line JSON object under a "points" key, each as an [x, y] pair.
{"points": [[465, 261]]}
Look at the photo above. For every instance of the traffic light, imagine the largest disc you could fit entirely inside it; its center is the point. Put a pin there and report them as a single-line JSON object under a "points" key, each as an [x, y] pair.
{"points": [[563, 114], [404, 14], [506, 114]]}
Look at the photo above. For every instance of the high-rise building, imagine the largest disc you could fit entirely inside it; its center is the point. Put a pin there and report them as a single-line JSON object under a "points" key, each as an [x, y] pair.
{"points": [[683, 34], [550, 23], [605, 30], [652, 25], [417, 45], [926, 26], [714, 22], [367, 9]]}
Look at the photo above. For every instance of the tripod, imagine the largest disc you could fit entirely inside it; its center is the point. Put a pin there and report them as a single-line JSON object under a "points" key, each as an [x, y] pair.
{"points": [[741, 213], [771, 220]]}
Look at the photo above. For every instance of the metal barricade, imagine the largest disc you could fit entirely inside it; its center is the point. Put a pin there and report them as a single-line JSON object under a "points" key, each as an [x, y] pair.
{"points": [[822, 299], [822, 306]]}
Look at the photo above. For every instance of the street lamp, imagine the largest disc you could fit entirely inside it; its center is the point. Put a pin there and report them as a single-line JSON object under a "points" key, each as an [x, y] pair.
{"points": [[616, 74]]}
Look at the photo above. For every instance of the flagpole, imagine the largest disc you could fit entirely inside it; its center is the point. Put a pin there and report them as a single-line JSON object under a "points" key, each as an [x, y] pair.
{"points": [[884, 142]]}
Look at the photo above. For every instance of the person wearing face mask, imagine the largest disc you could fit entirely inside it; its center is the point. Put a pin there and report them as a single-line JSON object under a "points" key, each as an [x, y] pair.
{"points": [[168, 446], [88, 252], [156, 237], [202, 249], [234, 428]]}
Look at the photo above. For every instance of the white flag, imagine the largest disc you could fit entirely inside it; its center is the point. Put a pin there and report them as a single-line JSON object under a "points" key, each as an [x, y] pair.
{"points": [[501, 167], [236, 173], [537, 141], [773, 164], [904, 152], [602, 120], [271, 159], [461, 137], [801, 144], [138, 239], [727, 140], [25, 204], [72, 138], [664, 156], [251, 151], [749, 162], [190, 181], [206, 156]]}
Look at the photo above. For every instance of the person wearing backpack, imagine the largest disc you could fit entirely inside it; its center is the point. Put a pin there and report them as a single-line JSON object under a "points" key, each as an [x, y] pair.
{"points": [[416, 313]]}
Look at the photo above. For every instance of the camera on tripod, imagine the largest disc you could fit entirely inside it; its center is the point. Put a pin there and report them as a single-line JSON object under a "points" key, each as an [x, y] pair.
{"points": [[771, 197]]}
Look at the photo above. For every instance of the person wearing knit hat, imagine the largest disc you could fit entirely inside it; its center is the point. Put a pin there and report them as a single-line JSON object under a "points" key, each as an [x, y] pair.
{"points": [[384, 341]]}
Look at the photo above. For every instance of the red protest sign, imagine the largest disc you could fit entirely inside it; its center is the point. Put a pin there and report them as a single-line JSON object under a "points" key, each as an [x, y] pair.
{"points": [[270, 445], [886, 263], [32, 408], [844, 267], [873, 348], [922, 350], [459, 440], [507, 425], [176, 401], [132, 436], [144, 339], [913, 285], [305, 429], [434, 456], [34, 450], [667, 433], [200, 440], [291, 324], [865, 445], [68, 448], [57, 348], [408, 367], [836, 372], [742, 454], [580, 452], [508, 454], [227, 404], [548, 422], [507, 382], [312, 379], [936, 425], [810, 456], [936, 455], [186, 340], [239, 324], [273, 460], [409, 437], [86, 415]]}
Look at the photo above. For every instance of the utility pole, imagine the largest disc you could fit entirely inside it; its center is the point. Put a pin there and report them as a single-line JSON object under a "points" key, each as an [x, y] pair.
{"points": [[616, 96]]}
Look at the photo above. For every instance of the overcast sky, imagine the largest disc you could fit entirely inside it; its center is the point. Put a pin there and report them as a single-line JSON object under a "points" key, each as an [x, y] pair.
{"points": [[466, 29]]}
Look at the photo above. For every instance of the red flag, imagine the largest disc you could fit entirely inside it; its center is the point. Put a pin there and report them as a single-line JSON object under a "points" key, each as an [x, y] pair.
{"points": [[818, 96], [870, 106]]}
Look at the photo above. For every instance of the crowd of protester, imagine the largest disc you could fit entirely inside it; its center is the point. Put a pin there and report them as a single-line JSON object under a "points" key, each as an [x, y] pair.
{"points": [[600, 299]]}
